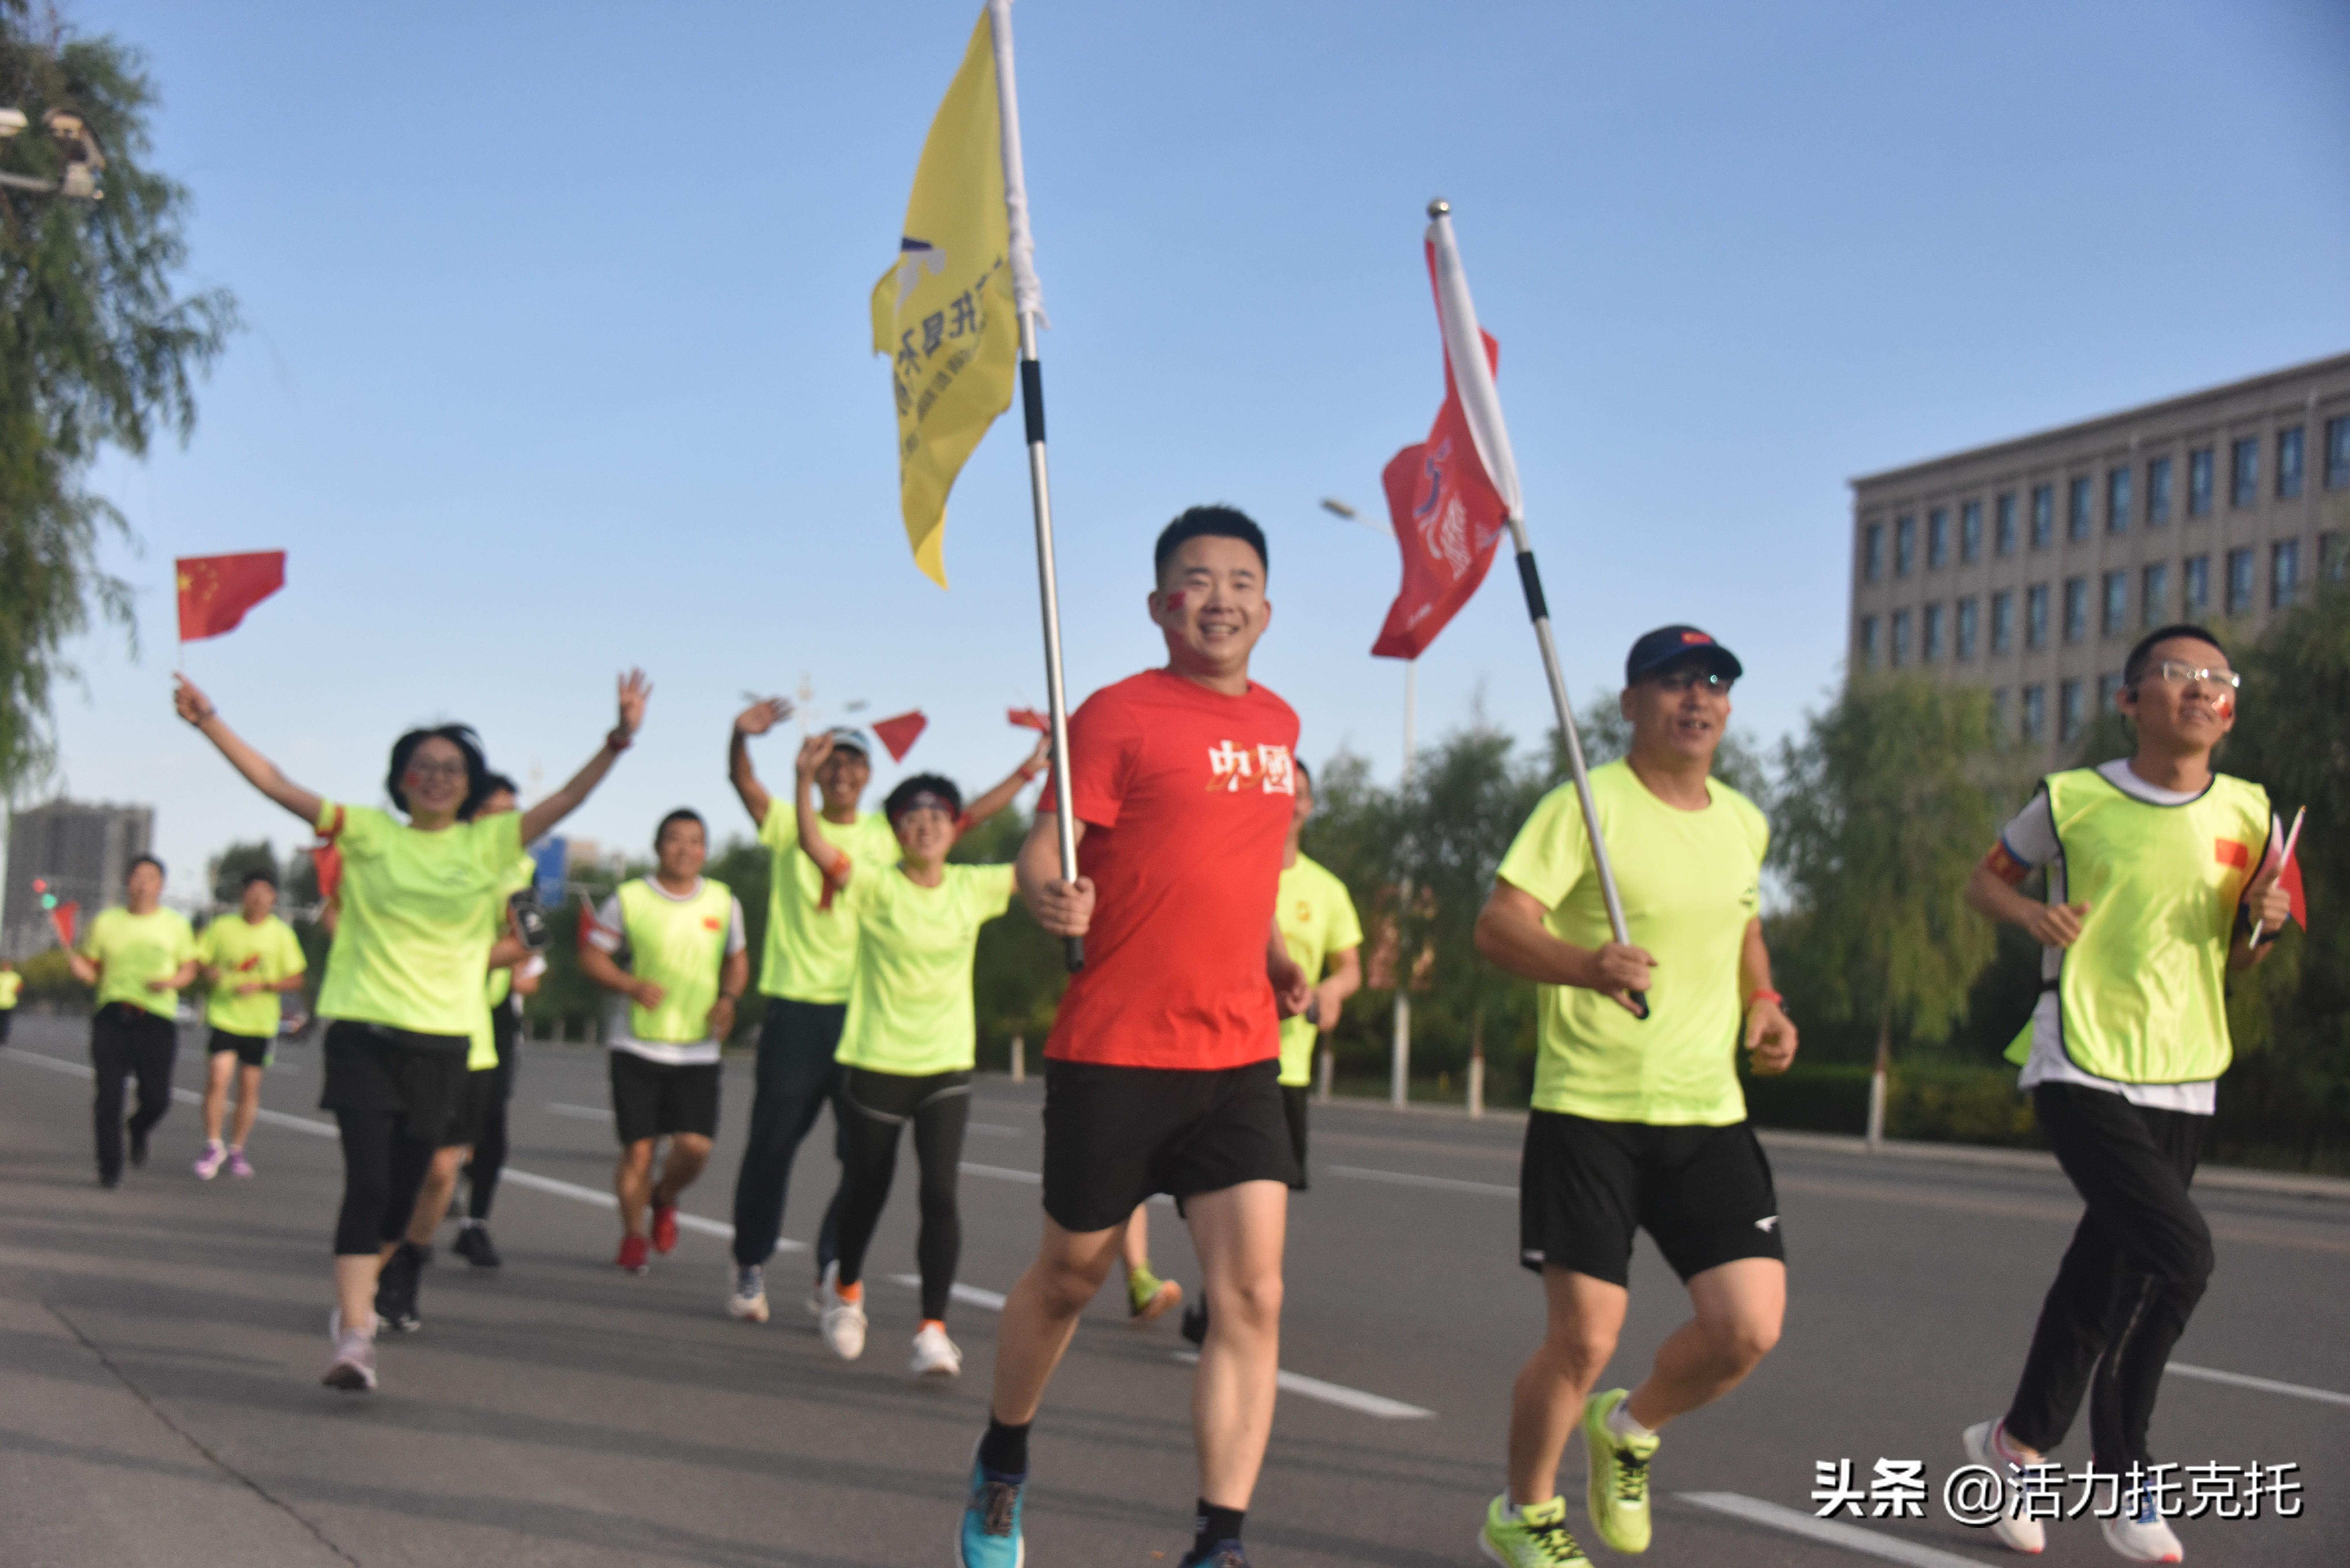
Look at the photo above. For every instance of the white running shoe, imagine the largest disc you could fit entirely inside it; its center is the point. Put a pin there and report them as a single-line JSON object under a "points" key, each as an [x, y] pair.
{"points": [[2145, 1539], [843, 1328], [747, 1302], [825, 1295], [354, 1367], [209, 1163], [1988, 1445], [936, 1355]]}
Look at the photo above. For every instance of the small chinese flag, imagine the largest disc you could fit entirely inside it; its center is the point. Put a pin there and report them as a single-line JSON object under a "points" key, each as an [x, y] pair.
{"points": [[899, 734], [2290, 882], [326, 859], [216, 590], [1029, 719], [63, 917]]}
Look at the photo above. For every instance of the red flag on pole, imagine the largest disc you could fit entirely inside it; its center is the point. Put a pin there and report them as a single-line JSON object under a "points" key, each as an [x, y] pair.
{"points": [[63, 917], [1447, 517], [899, 734], [326, 859], [216, 590], [1028, 719]]}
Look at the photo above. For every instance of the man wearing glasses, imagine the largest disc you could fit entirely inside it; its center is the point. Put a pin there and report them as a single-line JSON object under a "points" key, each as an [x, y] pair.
{"points": [[2159, 869], [1639, 1123]]}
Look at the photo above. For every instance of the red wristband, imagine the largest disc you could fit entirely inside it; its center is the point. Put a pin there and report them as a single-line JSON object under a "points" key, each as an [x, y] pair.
{"points": [[1765, 994]]}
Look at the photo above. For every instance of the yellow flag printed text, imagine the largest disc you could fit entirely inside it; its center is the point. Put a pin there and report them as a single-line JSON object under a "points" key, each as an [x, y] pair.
{"points": [[943, 313]]}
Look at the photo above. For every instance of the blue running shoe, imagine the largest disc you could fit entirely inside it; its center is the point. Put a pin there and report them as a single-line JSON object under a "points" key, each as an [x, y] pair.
{"points": [[991, 1522]]}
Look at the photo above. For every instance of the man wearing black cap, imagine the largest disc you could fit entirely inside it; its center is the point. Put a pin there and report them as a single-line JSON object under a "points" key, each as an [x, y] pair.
{"points": [[1639, 1124], [804, 973]]}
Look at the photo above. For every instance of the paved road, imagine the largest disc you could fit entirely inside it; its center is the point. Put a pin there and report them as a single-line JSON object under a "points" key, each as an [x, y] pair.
{"points": [[160, 1348]]}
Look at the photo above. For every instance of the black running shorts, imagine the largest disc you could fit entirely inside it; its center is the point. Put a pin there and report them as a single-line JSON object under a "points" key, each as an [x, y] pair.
{"points": [[486, 1088], [653, 1099], [1702, 1193], [1114, 1135], [252, 1050], [420, 1077]]}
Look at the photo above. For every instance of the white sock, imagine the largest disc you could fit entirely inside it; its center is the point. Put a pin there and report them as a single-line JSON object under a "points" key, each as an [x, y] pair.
{"points": [[1620, 1422]]}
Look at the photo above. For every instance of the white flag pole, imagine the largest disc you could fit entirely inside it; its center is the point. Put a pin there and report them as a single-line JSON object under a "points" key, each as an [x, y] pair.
{"points": [[1473, 378], [1028, 304]]}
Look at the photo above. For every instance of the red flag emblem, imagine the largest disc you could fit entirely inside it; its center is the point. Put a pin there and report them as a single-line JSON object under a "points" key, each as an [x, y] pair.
{"points": [[63, 916], [899, 734], [216, 590]]}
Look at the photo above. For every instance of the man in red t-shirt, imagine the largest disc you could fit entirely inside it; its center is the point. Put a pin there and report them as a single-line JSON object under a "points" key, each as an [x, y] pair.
{"points": [[1161, 1073]]}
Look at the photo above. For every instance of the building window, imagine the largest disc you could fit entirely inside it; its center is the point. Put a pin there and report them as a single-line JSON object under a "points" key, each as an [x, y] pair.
{"points": [[1966, 646], [1971, 531], [2334, 556], [2158, 492], [2108, 684], [1872, 551], [2035, 724], [2076, 508], [2240, 582], [2006, 540], [1932, 641], [2289, 465], [2284, 573], [2337, 452], [2195, 585], [2117, 620], [2199, 482], [2117, 500], [1868, 642], [1905, 545], [2068, 711], [2154, 596], [2044, 515], [2244, 471], [1900, 639], [1938, 537], [2035, 615], [1999, 710], [2076, 608], [2002, 622]]}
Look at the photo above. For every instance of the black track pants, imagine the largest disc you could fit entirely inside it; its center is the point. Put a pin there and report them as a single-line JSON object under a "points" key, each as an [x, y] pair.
{"points": [[127, 1042]]}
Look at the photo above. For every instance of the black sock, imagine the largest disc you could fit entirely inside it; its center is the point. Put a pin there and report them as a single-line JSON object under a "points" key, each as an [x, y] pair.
{"points": [[1004, 1449], [1217, 1525]]}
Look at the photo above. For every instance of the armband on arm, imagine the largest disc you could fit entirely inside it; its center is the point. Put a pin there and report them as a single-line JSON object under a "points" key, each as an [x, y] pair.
{"points": [[2006, 866]]}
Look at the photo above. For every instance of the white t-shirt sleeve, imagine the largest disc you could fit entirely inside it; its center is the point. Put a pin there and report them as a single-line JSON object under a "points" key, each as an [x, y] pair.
{"points": [[735, 940], [2030, 835], [607, 934]]}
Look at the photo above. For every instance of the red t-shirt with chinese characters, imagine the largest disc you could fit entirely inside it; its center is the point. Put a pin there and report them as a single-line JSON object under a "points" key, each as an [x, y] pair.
{"points": [[1186, 794]]}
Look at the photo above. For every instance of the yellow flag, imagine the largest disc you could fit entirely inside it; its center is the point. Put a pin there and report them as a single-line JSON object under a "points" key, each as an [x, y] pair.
{"points": [[944, 312]]}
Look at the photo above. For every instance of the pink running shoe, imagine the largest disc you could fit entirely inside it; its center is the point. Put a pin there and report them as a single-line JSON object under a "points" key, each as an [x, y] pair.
{"points": [[237, 1164], [208, 1164]]}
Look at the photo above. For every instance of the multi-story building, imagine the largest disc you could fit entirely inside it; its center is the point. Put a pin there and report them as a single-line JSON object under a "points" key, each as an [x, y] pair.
{"points": [[2032, 564], [81, 851]]}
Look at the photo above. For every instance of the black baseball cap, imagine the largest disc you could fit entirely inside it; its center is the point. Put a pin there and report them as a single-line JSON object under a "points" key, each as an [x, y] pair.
{"points": [[1670, 645]]}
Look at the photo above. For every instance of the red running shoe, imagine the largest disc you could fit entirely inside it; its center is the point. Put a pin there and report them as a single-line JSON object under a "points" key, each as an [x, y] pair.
{"points": [[664, 1229], [631, 1259]]}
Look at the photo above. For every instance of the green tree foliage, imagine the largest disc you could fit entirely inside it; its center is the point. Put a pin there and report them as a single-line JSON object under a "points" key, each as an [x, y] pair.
{"points": [[1019, 972], [1885, 805], [97, 350], [231, 866]]}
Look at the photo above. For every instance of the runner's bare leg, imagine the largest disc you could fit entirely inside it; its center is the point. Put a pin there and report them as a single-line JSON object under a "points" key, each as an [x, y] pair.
{"points": [[1739, 1308], [1042, 1313], [1239, 1233]]}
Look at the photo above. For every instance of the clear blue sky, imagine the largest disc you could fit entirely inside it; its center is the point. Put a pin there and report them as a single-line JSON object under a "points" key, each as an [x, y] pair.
{"points": [[557, 355]]}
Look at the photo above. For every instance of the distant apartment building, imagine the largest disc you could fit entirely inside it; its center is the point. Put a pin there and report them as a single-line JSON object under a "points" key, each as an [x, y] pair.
{"points": [[81, 850], [2031, 565]]}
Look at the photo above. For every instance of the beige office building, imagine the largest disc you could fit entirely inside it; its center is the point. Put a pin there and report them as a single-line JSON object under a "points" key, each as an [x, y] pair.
{"points": [[2031, 565]]}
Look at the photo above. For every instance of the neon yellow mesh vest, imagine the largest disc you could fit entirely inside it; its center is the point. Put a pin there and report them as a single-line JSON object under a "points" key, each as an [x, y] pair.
{"points": [[2143, 994], [678, 947]]}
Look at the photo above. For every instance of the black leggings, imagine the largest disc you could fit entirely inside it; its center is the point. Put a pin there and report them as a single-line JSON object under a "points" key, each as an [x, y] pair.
{"points": [[383, 1168], [2129, 1281], [872, 1107], [127, 1041], [489, 1156]]}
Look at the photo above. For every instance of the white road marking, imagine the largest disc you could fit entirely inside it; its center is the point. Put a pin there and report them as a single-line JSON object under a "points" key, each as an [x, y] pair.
{"points": [[530, 1179], [1852, 1537], [1002, 1173], [1404, 1179], [970, 1295], [1337, 1394], [2265, 1384], [581, 1113]]}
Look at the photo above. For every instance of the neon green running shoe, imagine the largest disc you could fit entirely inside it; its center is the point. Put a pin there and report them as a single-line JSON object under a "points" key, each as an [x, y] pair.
{"points": [[1618, 1495], [1534, 1537], [1147, 1296]]}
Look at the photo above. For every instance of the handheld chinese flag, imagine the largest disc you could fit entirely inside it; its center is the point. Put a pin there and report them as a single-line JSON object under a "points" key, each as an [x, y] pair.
{"points": [[63, 917], [326, 860], [899, 734], [1448, 518], [216, 590], [1028, 719], [946, 313]]}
